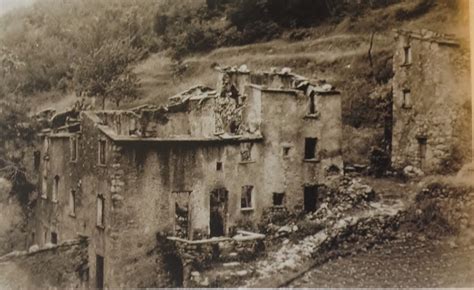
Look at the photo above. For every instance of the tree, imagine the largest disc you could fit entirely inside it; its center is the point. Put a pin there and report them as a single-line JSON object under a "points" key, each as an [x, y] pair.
{"points": [[17, 134], [106, 73]]}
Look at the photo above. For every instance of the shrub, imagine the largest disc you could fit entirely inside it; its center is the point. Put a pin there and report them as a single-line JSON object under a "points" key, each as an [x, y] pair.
{"points": [[260, 31], [105, 73], [419, 8]]}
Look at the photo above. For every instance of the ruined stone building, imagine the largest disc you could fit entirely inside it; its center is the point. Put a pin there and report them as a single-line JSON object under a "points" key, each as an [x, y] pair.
{"points": [[206, 165], [431, 102]]}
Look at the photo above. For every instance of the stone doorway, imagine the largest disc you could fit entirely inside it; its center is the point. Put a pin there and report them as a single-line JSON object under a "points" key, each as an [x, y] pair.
{"points": [[218, 212], [422, 146], [99, 273], [182, 224], [311, 198]]}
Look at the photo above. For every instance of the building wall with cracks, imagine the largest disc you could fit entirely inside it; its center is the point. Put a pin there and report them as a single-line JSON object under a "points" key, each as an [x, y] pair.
{"points": [[431, 102], [208, 164]]}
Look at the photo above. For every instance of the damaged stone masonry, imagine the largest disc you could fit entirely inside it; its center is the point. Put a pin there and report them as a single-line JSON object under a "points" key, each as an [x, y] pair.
{"points": [[431, 103], [175, 187]]}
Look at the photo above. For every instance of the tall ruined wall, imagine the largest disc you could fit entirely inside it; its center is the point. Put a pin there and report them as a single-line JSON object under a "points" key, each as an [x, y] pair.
{"points": [[438, 113], [195, 118], [63, 266], [286, 124], [149, 176], [88, 179]]}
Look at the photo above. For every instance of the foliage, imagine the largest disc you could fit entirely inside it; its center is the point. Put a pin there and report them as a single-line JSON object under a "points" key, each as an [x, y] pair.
{"points": [[17, 133], [60, 45], [418, 8], [43, 45], [105, 73]]}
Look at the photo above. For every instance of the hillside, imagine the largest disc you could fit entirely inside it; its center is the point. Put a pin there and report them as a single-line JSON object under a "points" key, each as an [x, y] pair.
{"points": [[55, 60], [335, 52]]}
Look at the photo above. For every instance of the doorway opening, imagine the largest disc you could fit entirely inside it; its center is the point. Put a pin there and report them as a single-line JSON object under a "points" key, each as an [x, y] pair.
{"points": [[182, 215], [422, 146], [311, 198], [99, 272], [174, 267], [218, 212]]}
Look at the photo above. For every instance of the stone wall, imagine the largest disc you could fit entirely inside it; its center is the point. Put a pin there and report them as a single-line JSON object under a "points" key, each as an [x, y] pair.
{"points": [[435, 80], [62, 266], [197, 257], [141, 177]]}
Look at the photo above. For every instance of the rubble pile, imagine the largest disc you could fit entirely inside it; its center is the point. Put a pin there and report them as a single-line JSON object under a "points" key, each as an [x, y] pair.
{"points": [[373, 224], [442, 210], [361, 234], [351, 194], [412, 172]]}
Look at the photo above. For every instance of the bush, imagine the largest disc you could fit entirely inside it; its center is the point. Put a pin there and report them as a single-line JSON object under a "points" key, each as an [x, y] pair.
{"points": [[419, 8], [197, 39], [260, 31], [105, 73]]}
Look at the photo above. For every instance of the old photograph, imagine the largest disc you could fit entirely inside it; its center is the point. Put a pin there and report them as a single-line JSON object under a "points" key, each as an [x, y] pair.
{"points": [[236, 144]]}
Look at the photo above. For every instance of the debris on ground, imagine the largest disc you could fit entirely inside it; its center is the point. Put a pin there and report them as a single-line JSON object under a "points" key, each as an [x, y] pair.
{"points": [[412, 172]]}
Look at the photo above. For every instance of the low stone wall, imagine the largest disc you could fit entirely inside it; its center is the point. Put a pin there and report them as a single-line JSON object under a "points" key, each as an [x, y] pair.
{"points": [[61, 266], [199, 255]]}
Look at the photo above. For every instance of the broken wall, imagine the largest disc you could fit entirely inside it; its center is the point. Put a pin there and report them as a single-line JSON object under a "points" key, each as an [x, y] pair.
{"points": [[286, 124], [88, 179], [63, 266], [432, 126]]}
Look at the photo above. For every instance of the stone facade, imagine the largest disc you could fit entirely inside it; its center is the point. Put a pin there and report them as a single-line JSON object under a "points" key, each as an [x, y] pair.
{"points": [[209, 164], [431, 102]]}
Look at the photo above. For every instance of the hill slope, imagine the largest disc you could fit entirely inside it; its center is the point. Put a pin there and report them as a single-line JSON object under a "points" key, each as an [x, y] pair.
{"points": [[335, 52]]}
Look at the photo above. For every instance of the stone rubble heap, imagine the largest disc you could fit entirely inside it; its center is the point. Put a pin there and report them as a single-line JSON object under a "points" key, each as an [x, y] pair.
{"points": [[374, 223], [352, 193]]}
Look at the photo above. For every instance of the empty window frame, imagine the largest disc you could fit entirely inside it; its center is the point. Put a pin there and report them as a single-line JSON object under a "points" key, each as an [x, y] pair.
{"points": [[422, 148], [54, 238], [55, 189], [246, 197], [278, 199], [102, 152], [406, 101], [407, 57], [312, 104], [100, 211], [310, 148], [219, 166], [246, 152], [45, 236], [37, 159], [72, 203], [44, 187], [73, 148]]}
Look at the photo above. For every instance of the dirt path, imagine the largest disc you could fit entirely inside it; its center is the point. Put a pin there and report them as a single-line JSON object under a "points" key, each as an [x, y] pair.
{"points": [[410, 263]]}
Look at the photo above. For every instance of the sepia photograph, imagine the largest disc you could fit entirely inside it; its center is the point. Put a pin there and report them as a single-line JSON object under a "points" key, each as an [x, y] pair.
{"points": [[150, 144]]}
